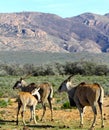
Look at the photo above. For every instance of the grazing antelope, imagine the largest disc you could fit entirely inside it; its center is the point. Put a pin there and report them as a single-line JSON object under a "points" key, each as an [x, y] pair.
{"points": [[29, 100], [46, 92], [84, 95]]}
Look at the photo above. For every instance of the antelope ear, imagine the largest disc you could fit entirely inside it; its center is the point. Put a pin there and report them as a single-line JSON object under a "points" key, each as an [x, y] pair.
{"points": [[21, 79], [38, 89], [69, 78]]}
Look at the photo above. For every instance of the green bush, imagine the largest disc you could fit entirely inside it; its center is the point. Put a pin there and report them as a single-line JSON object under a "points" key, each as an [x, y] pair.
{"points": [[3, 103], [1, 94], [66, 105], [80, 67]]}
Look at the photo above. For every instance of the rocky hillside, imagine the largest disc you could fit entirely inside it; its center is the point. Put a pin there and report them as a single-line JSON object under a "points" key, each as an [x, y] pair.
{"points": [[36, 31]]}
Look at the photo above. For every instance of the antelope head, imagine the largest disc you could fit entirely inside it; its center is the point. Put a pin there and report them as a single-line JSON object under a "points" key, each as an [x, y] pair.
{"points": [[65, 85]]}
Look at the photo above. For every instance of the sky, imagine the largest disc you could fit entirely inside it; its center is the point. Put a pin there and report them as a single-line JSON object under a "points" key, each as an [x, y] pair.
{"points": [[63, 8]]}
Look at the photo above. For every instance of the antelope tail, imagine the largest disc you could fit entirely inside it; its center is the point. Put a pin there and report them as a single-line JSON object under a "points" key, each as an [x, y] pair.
{"points": [[101, 95], [51, 92]]}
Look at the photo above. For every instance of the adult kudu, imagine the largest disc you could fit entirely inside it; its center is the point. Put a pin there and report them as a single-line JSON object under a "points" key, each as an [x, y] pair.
{"points": [[84, 95], [46, 92]]}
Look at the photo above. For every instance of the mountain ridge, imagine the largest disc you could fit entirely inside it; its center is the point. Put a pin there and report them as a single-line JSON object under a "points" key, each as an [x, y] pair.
{"points": [[35, 31]]}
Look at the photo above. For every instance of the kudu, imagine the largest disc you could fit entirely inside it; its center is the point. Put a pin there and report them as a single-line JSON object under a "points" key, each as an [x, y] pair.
{"points": [[84, 95], [46, 92]]}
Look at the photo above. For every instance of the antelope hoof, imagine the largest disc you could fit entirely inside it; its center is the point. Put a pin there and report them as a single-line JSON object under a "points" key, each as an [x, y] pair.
{"points": [[40, 119], [16, 122], [30, 119], [52, 119], [81, 125], [102, 126]]}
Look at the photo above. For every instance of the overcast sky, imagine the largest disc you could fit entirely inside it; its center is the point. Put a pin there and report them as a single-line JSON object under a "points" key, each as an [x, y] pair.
{"points": [[63, 8]]}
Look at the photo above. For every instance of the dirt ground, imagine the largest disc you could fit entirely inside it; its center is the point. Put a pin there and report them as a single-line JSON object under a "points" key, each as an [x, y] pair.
{"points": [[61, 117]]}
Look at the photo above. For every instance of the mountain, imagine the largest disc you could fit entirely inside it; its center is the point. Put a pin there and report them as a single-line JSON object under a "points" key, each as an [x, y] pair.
{"points": [[35, 31]]}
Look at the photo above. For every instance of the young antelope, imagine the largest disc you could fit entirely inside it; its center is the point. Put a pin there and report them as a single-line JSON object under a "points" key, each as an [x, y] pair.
{"points": [[27, 99]]}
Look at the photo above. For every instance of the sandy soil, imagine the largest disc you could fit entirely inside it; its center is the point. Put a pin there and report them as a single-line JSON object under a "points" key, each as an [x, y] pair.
{"points": [[65, 117]]}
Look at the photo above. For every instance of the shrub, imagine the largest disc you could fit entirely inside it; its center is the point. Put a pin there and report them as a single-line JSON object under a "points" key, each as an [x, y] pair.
{"points": [[66, 105], [81, 67], [1, 94], [3, 103]]}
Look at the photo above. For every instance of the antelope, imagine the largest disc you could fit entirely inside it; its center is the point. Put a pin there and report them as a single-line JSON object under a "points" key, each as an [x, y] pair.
{"points": [[29, 100], [46, 92], [84, 95]]}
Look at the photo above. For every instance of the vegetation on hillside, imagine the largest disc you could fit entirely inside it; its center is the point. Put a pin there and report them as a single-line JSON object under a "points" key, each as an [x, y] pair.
{"points": [[22, 63], [38, 58]]}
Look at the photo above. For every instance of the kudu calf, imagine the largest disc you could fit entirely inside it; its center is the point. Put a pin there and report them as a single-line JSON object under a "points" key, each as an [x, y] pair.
{"points": [[46, 92], [84, 95]]}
